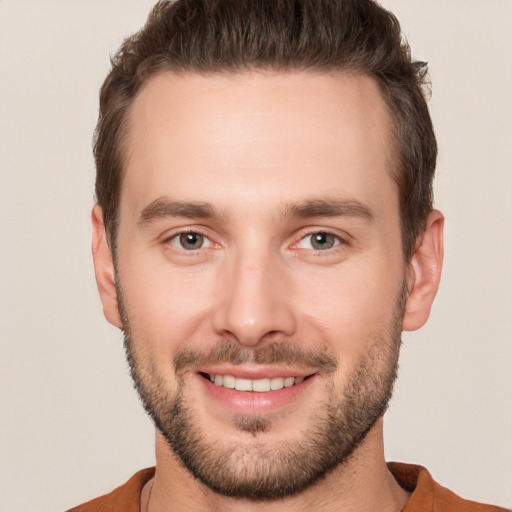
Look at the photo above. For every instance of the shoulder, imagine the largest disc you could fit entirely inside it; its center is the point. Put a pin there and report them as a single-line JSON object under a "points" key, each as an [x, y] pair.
{"points": [[428, 495], [125, 498]]}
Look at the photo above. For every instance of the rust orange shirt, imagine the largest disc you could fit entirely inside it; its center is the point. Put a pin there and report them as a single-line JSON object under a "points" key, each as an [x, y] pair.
{"points": [[427, 495]]}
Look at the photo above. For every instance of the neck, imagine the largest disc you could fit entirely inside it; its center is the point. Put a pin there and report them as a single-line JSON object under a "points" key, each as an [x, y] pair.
{"points": [[361, 483]]}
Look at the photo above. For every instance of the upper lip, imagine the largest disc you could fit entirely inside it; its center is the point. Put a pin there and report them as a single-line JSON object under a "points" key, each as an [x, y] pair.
{"points": [[256, 372]]}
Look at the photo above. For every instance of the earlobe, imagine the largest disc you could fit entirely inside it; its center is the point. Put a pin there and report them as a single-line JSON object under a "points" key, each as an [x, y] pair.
{"points": [[424, 272], [104, 268]]}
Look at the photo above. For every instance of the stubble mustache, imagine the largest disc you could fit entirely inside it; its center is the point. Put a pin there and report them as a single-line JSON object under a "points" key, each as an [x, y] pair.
{"points": [[274, 353]]}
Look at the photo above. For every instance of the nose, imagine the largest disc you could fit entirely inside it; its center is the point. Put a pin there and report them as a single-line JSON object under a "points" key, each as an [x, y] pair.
{"points": [[254, 302]]}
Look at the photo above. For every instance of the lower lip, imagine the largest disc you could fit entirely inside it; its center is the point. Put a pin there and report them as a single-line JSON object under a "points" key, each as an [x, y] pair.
{"points": [[253, 403]]}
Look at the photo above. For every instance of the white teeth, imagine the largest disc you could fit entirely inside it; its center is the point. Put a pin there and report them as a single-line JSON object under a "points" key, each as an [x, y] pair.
{"points": [[243, 384], [277, 383], [289, 381], [258, 385], [261, 385], [228, 381]]}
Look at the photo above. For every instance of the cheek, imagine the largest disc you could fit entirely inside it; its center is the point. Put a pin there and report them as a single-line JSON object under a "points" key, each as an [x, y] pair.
{"points": [[166, 306], [349, 308]]}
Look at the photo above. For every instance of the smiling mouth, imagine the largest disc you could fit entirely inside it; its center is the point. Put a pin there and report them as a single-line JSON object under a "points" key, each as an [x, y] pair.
{"points": [[256, 385]]}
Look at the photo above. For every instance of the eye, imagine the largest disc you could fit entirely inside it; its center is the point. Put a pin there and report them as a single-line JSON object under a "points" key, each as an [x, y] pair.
{"points": [[319, 241], [190, 241]]}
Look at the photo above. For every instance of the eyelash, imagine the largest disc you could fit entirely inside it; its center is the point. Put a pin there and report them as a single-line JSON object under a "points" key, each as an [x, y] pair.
{"points": [[322, 232], [177, 238]]}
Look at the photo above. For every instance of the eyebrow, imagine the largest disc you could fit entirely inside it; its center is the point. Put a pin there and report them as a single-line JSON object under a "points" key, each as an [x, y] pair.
{"points": [[329, 208], [165, 207]]}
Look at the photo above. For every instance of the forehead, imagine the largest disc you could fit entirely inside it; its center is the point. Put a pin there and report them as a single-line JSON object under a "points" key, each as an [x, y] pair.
{"points": [[264, 136]]}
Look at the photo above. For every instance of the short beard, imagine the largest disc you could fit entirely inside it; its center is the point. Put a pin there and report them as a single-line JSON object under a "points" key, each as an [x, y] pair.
{"points": [[255, 470]]}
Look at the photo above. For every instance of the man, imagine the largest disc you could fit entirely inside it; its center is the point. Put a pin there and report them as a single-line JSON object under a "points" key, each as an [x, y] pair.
{"points": [[263, 233]]}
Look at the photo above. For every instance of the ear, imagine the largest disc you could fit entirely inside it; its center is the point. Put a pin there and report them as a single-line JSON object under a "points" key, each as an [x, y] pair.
{"points": [[104, 268], [424, 272]]}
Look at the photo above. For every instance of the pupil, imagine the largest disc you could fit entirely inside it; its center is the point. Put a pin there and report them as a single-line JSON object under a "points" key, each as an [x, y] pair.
{"points": [[322, 241], [191, 240]]}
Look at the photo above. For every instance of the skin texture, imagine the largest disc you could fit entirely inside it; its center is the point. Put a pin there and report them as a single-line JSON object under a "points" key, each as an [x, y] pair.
{"points": [[256, 163]]}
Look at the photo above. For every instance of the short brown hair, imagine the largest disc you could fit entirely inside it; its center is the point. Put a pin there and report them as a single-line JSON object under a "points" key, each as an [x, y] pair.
{"points": [[207, 36]]}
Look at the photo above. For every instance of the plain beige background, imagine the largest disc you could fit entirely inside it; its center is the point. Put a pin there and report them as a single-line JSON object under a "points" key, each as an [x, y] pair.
{"points": [[71, 425]]}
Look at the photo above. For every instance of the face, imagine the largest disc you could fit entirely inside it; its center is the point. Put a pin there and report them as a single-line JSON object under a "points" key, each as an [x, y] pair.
{"points": [[259, 273]]}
